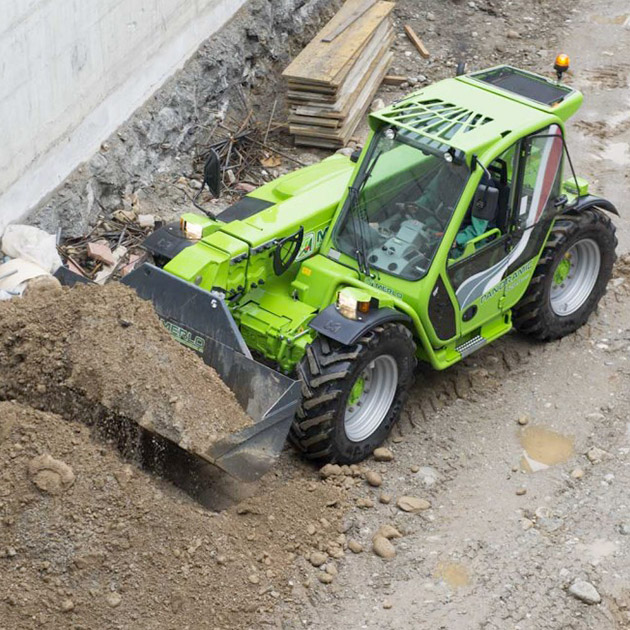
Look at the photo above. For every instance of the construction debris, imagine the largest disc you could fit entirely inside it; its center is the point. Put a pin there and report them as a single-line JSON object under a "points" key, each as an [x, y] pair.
{"points": [[395, 79], [417, 42], [111, 250], [334, 79]]}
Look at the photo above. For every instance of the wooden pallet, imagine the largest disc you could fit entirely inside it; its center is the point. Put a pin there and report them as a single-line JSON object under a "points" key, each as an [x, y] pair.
{"points": [[332, 82]]}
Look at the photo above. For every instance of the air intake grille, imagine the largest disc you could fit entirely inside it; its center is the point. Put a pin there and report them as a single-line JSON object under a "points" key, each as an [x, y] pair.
{"points": [[437, 119]]}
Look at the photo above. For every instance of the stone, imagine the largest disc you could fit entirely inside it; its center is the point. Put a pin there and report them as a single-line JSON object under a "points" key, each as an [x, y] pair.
{"points": [[596, 455], [330, 470], [388, 531], [520, 492], [67, 605], [331, 569], [383, 454], [114, 599], [412, 504], [50, 475], [385, 498], [624, 529], [378, 104], [383, 548], [317, 558], [585, 592], [387, 604], [325, 578], [254, 579], [578, 473], [364, 502], [523, 420], [414, 469], [373, 478], [355, 546], [146, 220], [512, 34]]}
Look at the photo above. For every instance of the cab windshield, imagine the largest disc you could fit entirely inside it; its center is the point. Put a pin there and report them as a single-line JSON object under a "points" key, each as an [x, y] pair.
{"points": [[400, 204]]}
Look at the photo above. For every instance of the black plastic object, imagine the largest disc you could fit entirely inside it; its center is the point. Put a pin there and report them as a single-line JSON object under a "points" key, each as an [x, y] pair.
{"points": [[201, 320], [331, 323], [167, 242], [525, 84], [442, 312], [486, 203], [243, 209], [212, 173], [69, 278], [287, 251]]}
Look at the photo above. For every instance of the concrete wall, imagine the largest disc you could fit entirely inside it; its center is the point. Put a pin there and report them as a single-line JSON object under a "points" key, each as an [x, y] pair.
{"points": [[71, 71]]}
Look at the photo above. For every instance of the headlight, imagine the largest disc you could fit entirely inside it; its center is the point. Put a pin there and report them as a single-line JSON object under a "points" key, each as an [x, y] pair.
{"points": [[192, 231], [351, 302]]}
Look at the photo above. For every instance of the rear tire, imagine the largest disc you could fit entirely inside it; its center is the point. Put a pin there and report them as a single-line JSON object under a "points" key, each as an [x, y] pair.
{"points": [[570, 278], [353, 395]]}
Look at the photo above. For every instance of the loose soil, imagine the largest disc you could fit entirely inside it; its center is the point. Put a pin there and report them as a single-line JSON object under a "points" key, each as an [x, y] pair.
{"points": [[89, 541], [95, 352]]}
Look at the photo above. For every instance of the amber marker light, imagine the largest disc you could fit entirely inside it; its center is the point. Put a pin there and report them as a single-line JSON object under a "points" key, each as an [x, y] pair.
{"points": [[561, 65]]}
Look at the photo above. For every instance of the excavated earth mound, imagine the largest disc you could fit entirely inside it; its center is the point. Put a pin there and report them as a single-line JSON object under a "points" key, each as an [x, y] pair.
{"points": [[90, 352], [88, 541]]}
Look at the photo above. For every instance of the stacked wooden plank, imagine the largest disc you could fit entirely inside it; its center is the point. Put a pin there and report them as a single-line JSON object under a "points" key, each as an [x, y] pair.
{"points": [[332, 82]]}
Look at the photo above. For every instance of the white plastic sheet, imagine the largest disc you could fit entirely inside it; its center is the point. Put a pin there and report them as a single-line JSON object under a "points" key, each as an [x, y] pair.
{"points": [[32, 244]]}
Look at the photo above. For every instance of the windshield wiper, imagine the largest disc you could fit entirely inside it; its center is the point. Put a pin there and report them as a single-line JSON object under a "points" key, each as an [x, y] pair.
{"points": [[361, 252]]}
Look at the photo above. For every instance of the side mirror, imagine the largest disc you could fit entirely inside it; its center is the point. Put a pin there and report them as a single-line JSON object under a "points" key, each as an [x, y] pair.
{"points": [[212, 173], [486, 203]]}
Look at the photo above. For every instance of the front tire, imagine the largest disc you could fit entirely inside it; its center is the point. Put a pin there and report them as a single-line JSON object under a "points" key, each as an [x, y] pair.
{"points": [[570, 278], [353, 395]]}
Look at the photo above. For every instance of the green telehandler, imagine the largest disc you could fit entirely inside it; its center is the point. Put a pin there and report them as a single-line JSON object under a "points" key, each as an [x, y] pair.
{"points": [[315, 295]]}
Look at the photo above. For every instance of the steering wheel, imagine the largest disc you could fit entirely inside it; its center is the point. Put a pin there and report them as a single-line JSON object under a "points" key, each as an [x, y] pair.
{"points": [[287, 250]]}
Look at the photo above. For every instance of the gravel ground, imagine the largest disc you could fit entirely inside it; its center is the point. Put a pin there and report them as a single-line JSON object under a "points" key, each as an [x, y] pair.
{"points": [[501, 546]]}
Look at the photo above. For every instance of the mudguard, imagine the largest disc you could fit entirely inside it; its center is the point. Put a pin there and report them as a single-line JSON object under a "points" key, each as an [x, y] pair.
{"points": [[332, 324], [590, 201]]}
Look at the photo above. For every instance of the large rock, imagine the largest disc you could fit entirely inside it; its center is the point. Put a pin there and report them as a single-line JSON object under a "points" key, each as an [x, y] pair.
{"points": [[585, 592]]}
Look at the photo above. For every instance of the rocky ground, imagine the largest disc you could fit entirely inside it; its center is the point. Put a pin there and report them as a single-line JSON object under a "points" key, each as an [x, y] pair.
{"points": [[504, 503]]}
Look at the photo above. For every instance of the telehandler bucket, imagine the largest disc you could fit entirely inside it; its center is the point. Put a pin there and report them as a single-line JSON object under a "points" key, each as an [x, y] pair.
{"points": [[201, 321]]}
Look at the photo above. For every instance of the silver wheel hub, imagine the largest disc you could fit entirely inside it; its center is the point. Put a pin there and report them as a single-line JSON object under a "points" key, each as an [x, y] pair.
{"points": [[572, 289], [367, 408]]}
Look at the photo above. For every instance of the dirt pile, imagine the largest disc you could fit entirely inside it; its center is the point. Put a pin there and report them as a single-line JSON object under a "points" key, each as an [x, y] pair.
{"points": [[93, 352], [88, 541]]}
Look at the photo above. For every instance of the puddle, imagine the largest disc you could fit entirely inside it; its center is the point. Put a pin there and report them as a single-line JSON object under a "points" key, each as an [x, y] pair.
{"points": [[616, 152], [455, 575], [543, 448], [621, 20]]}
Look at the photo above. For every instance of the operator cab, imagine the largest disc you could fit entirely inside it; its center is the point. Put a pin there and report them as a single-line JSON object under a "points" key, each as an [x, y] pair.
{"points": [[401, 203]]}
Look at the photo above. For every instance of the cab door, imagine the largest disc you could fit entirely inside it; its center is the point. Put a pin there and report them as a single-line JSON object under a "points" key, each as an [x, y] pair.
{"points": [[537, 201], [489, 278], [476, 272]]}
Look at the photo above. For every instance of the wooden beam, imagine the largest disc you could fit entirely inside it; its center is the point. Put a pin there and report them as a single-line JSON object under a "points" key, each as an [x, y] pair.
{"points": [[417, 42], [394, 79], [351, 19]]}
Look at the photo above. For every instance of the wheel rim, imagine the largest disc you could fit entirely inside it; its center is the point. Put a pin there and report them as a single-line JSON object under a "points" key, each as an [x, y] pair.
{"points": [[370, 398], [574, 277]]}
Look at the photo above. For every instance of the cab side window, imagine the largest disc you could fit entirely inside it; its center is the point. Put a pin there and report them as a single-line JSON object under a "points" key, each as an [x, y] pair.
{"points": [[490, 211]]}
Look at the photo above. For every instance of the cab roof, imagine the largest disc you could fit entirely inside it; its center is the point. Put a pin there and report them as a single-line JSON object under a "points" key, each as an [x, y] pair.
{"points": [[474, 111]]}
